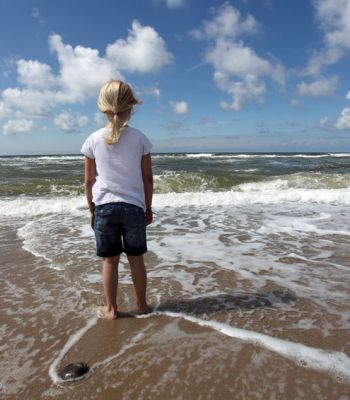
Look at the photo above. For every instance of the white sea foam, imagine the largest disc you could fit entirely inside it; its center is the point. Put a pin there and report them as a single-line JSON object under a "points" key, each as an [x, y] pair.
{"points": [[262, 156], [70, 343], [256, 193], [59, 158], [333, 362], [39, 159], [24, 206], [200, 155]]}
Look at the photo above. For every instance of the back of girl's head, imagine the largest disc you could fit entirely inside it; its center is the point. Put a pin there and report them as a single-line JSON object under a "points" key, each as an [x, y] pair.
{"points": [[117, 100]]}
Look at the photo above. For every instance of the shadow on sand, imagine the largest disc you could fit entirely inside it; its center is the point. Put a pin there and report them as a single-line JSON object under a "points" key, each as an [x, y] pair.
{"points": [[226, 302]]}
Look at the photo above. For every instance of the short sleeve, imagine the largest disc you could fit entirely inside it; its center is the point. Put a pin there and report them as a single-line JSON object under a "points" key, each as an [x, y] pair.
{"points": [[147, 145], [87, 148]]}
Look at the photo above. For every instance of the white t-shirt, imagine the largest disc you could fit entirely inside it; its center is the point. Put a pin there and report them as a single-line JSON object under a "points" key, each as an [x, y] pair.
{"points": [[118, 166]]}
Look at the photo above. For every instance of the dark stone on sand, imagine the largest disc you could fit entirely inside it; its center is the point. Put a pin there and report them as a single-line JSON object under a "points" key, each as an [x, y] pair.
{"points": [[74, 371]]}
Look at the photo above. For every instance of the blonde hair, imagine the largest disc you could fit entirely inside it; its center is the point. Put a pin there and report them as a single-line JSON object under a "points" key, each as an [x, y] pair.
{"points": [[116, 99]]}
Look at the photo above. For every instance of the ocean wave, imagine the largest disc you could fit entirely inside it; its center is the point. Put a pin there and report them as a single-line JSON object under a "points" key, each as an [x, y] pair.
{"points": [[29, 207], [248, 155], [253, 196], [272, 193], [200, 155], [246, 180]]}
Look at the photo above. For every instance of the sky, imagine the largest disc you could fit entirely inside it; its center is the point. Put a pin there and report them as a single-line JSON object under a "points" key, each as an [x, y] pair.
{"points": [[240, 76]]}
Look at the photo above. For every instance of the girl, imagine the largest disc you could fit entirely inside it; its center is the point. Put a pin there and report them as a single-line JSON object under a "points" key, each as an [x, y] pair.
{"points": [[119, 189]]}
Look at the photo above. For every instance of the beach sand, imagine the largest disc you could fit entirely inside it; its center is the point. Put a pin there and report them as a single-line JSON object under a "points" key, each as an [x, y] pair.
{"points": [[161, 356]]}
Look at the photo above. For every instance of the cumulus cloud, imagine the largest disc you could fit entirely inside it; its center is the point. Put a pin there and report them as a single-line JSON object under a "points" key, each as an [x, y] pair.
{"points": [[14, 126], [31, 102], [320, 59], [237, 59], [143, 50], [5, 111], [238, 69], [243, 91], [343, 122], [82, 70], [318, 88], [333, 17], [348, 96], [33, 73], [179, 107], [70, 122], [227, 22]]}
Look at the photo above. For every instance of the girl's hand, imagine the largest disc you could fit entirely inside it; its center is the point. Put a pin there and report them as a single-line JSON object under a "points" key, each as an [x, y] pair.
{"points": [[149, 216], [92, 217]]}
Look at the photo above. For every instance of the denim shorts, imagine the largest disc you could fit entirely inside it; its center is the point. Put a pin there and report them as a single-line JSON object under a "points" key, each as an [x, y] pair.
{"points": [[120, 227]]}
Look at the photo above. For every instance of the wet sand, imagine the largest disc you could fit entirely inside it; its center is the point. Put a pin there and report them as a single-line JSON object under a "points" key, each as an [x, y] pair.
{"points": [[159, 356]]}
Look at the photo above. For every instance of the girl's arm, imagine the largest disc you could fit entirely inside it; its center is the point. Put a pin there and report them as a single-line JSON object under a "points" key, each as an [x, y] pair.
{"points": [[90, 178], [147, 177]]}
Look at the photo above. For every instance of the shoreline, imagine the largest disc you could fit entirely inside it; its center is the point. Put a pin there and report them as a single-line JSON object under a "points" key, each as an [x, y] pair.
{"points": [[162, 349], [219, 152]]}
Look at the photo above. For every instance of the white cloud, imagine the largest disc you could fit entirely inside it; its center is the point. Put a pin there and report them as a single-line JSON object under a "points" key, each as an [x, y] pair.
{"points": [[152, 91], [29, 101], [227, 22], [14, 126], [348, 96], [248, 89], [333, 17], [34, 73], [82, 70], [179, 107], [343, 122], [321, 59], [69, 122], [175, 3], [318, 88], [5, 111], [143, 50], [156, 93], [236, 59], [238, 69], [324, 123], [36, 14]]}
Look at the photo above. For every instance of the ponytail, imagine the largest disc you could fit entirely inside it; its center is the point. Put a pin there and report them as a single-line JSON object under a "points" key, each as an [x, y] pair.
{"points": [[116, 98], [114, 134]]}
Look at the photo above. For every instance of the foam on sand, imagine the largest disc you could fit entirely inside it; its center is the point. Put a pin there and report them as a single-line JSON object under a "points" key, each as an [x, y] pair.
{"points": [[70, 343], [333, 362]]}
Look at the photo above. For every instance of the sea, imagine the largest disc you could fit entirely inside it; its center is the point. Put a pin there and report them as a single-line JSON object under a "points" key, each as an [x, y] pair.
{"points": [[248, 275]]}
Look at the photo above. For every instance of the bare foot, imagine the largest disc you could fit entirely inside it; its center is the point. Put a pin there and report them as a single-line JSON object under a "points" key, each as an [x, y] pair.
{"points": [[106, 313], [145, 309]]}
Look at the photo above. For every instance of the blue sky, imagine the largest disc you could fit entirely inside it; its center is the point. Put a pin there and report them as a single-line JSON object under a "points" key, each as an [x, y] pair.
{"points": [[244, 75]]}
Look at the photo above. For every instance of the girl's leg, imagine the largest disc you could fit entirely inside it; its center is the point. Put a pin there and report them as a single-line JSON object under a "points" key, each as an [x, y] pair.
{"points": [[110, 284], [139, 277]]}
